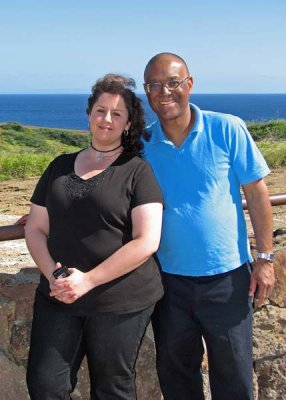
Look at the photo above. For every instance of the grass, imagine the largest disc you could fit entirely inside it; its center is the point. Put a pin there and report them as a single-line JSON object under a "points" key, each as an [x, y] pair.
{"points": [[26, 151], [271, 140], [16, 138], [15, 167], [270, 131], [274, 153]]}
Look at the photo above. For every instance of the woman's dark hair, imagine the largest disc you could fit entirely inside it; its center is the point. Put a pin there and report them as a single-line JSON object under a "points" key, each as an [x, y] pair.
{"points": [[117, 84]]}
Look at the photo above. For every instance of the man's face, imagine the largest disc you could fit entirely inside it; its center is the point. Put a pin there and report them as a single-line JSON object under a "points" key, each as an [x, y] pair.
{"points": [[168, 104]]}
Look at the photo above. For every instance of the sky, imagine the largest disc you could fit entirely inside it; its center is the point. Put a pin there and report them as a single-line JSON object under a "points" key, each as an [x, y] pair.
{"points": [[64, 46]]}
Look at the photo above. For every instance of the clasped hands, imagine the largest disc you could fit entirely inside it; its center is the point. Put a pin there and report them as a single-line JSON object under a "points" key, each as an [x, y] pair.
{"points": [[71, 288]]}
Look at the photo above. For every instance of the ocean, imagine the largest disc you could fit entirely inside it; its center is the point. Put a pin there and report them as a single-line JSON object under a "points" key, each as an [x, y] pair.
{"points": [[68, 110]]}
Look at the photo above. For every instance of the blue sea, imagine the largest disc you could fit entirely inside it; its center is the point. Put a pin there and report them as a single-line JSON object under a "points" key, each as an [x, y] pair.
{"points": [[68, 110]]}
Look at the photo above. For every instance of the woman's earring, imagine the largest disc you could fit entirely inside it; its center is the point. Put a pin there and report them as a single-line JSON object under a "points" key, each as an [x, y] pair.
{"points": [[125, 132]]}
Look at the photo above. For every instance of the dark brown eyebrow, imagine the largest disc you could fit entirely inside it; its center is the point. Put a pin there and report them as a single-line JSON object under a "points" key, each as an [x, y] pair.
{"points": [[115, 109]]}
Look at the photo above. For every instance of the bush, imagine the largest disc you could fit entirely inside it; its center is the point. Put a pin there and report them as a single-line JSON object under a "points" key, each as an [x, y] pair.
{"points": [[274, 153], [66, 137], [272, 130], [25, 137], [15, 126], [28, 165]]}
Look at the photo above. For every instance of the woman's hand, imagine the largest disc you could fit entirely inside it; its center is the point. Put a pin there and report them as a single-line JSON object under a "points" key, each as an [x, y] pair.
{"points": [[69, 289]]}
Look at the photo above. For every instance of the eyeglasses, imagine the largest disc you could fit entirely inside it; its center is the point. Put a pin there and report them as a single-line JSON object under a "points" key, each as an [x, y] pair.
{"points": [[156, 87]]}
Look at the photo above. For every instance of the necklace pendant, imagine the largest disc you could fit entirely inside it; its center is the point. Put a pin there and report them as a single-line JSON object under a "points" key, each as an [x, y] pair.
{"points": [[99, 157]]}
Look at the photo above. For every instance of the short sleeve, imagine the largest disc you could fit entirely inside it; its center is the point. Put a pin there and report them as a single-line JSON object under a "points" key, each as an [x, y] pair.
{"points": [[246, 159], [145, 187], [40, 192]]}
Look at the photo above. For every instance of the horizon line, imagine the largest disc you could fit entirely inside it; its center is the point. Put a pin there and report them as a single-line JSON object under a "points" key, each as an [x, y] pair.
{"points": [[87, 94]]}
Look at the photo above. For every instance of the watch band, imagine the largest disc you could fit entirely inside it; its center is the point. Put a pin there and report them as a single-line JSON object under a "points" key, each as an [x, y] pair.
{"points": [[266, 256]]}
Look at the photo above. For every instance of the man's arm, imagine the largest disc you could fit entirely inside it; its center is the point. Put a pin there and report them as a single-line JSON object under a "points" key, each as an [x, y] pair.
{"points": [[259, 207]]}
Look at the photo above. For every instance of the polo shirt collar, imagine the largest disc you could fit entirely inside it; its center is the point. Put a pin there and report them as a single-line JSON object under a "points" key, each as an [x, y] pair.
{"points": [[199, 121], [158, 133]]}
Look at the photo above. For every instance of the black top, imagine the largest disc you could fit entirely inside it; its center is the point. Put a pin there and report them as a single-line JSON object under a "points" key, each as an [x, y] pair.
{"points": [[91, 219]]}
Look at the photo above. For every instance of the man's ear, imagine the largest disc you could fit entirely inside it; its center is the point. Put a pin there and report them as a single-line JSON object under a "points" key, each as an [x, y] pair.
{"points": [[190, 83]]}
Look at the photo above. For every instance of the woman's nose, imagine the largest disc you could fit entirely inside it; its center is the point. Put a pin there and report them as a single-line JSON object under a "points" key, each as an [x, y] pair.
{"points": [[107, 116]]}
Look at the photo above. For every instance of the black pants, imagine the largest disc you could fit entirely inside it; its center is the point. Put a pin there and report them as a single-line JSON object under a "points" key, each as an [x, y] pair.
{"points": [[218, 309], [59, 341]]}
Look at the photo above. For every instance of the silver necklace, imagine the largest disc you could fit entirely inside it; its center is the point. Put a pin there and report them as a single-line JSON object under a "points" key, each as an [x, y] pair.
{"points": [[101, 153]]}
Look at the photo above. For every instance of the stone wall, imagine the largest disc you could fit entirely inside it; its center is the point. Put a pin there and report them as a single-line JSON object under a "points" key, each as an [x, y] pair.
{"points": [[16, 297], [16, 302]]}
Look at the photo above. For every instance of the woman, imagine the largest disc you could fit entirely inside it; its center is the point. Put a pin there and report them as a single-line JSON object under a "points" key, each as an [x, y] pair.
{"points": [[98, 212]]}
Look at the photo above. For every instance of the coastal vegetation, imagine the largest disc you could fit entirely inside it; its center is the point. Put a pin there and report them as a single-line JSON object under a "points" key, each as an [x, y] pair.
{"points": [[271, 140], [26, 151]]}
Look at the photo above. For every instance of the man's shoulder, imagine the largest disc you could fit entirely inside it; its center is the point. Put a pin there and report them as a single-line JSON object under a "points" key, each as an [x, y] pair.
{"points": [[222, 119], [151, 132]]}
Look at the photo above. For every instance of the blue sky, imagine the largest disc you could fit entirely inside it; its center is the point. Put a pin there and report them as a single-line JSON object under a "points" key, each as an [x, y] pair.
{"points": [[63, 46]]}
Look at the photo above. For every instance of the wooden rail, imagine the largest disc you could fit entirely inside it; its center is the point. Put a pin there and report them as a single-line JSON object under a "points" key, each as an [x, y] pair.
{"points": [[13, 232]]}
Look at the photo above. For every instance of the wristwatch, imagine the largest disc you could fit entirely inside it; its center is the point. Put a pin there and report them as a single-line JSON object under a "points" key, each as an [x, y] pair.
{"points": [[266, 256]]}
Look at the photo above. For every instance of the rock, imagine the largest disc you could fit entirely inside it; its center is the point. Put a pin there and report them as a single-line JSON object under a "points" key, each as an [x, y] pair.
{"points": [[269, 348], [16, 304], [278, 295], [7, 313], [146, 377], [13, 380]]}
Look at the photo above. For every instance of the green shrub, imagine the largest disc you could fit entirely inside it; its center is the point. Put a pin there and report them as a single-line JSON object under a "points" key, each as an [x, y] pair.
{"points": [[272, 130], [274, 153], [25, 137], [67, 137], [16, 138], [15, 126], [28, 165]]}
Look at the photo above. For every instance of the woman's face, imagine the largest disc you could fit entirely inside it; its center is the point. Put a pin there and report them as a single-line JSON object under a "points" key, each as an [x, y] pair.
{"points": [[108, 119]]}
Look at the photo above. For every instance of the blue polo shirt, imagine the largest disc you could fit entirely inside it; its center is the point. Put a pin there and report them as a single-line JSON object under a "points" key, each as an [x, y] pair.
{"points": [[204, 230]]}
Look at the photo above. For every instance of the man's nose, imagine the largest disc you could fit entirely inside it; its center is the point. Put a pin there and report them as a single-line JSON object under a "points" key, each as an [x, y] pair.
{"points": [[164, 89]]}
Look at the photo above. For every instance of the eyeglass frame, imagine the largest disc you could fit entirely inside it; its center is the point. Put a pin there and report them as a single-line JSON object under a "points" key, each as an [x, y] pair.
{"points": [[147, 85]]}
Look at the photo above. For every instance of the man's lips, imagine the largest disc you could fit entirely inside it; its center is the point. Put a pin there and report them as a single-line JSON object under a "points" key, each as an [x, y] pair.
{"points": [[166, 102]]}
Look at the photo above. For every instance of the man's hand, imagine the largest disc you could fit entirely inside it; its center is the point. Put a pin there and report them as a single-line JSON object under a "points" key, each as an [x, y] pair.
{"points": [[263, 279], [23, 220]]}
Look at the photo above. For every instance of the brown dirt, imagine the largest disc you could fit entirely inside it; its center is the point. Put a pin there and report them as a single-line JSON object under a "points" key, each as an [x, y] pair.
{"points": [[15, 196]]}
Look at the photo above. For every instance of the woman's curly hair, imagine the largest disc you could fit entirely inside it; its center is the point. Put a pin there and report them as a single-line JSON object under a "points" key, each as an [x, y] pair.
{"points": [[118, 84]]}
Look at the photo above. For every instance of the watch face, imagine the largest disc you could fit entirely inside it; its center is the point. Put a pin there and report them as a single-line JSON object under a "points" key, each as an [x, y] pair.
{"points": [[266, 256]]}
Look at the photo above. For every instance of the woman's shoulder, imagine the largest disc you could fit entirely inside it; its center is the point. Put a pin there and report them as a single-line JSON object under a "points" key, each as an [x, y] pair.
{"points": [[136, 163], [64, 158], [136, 160]]}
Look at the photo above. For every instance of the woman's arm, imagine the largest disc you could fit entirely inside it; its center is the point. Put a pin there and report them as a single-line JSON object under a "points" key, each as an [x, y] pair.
{"points": [[146, 233], [36, 234]]}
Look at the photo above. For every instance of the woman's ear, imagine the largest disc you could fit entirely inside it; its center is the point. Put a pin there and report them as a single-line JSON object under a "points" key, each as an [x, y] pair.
{"points": [[127, 125]]}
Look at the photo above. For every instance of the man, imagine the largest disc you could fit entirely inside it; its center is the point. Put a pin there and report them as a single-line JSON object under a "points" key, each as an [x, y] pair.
{"points": [[201, 160]]}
